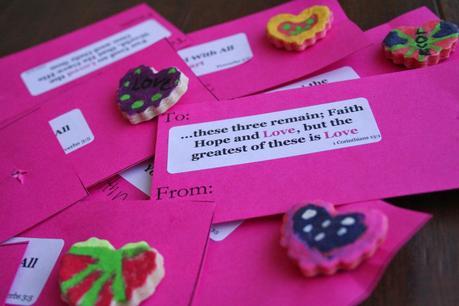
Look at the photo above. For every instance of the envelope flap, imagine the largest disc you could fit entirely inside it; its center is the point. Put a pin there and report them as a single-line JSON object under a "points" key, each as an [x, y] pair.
{"points": [[36, 181], [387, 129], [261, 273], [97, 127], [34, 75], [178, 231], [270, 66]]}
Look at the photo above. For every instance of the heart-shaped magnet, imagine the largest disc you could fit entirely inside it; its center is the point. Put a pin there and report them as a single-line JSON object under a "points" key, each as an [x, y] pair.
{"points": [[144, 93], [323, 241], [297, 32], [93, 272]]}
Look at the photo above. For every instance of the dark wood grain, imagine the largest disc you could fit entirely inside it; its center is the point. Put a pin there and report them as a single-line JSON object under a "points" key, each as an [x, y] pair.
{"points": [[426, 271], [449, 10], [370, 13]]}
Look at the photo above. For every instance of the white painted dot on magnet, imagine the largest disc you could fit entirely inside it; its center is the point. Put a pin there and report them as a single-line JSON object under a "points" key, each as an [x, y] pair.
{"points": [[342, 231], [319, 236], [308, 214], [307, 228], [348, 221], [326, 223]]}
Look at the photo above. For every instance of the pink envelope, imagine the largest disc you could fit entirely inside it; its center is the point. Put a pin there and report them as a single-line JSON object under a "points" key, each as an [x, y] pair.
{"points": [[87, 115], [115, 189], [10, 258], [370, 60], [32, 79], [36, 181], [259, 272], [179, 232], [132, 184], [269, 66], [372, 138]]}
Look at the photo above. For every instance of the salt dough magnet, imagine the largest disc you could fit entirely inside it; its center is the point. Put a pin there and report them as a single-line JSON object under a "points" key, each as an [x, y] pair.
{"points": [[93, 272], [297, 32], [323, 241], [144, 93], [416, 47]]}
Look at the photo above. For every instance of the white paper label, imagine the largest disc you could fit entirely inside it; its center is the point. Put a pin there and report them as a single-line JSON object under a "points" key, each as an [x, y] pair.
{"points": [[221, 231], [270, 136], [36, 265], [217, 55], [72, 130], [140, 176], [81, 62], [337, 75]]}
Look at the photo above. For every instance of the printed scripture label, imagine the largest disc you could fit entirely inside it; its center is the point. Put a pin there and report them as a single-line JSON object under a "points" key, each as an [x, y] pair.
{"points": [[72, 130], [337, 75], [221, 231], [38, 262], [271, 136], [81, 62], [217, 55], [140, 176]]}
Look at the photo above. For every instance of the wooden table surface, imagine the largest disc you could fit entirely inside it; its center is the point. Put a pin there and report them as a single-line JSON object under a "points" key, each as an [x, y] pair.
{"points": [[426, 271]]}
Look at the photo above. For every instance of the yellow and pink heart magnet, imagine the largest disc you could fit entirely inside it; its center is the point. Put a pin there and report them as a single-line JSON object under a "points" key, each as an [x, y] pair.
{"points": [[298, 32]]}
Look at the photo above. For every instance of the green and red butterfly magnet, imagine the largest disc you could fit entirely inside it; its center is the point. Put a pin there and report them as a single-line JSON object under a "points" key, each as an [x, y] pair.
{"points": [[94, 273], [416, 47]]}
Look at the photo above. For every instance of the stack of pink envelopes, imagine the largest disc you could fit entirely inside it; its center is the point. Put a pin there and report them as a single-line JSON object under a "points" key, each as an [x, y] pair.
{"points": [[207, 182]]}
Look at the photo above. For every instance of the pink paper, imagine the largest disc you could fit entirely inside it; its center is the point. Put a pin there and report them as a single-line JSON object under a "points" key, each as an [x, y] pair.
{"points": [[251, 268], [132, 184], [270, 66], [35, 179], [13, 65], [10, 259], [115, 189], [179, 232], [370, 60], [117, 144], [407, 145]]}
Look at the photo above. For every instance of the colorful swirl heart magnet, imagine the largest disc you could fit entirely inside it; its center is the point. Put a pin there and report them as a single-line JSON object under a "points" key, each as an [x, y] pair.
{"points": [[144, 93], [422, 46], [323, 241], [93, 272], [297, 32]]}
